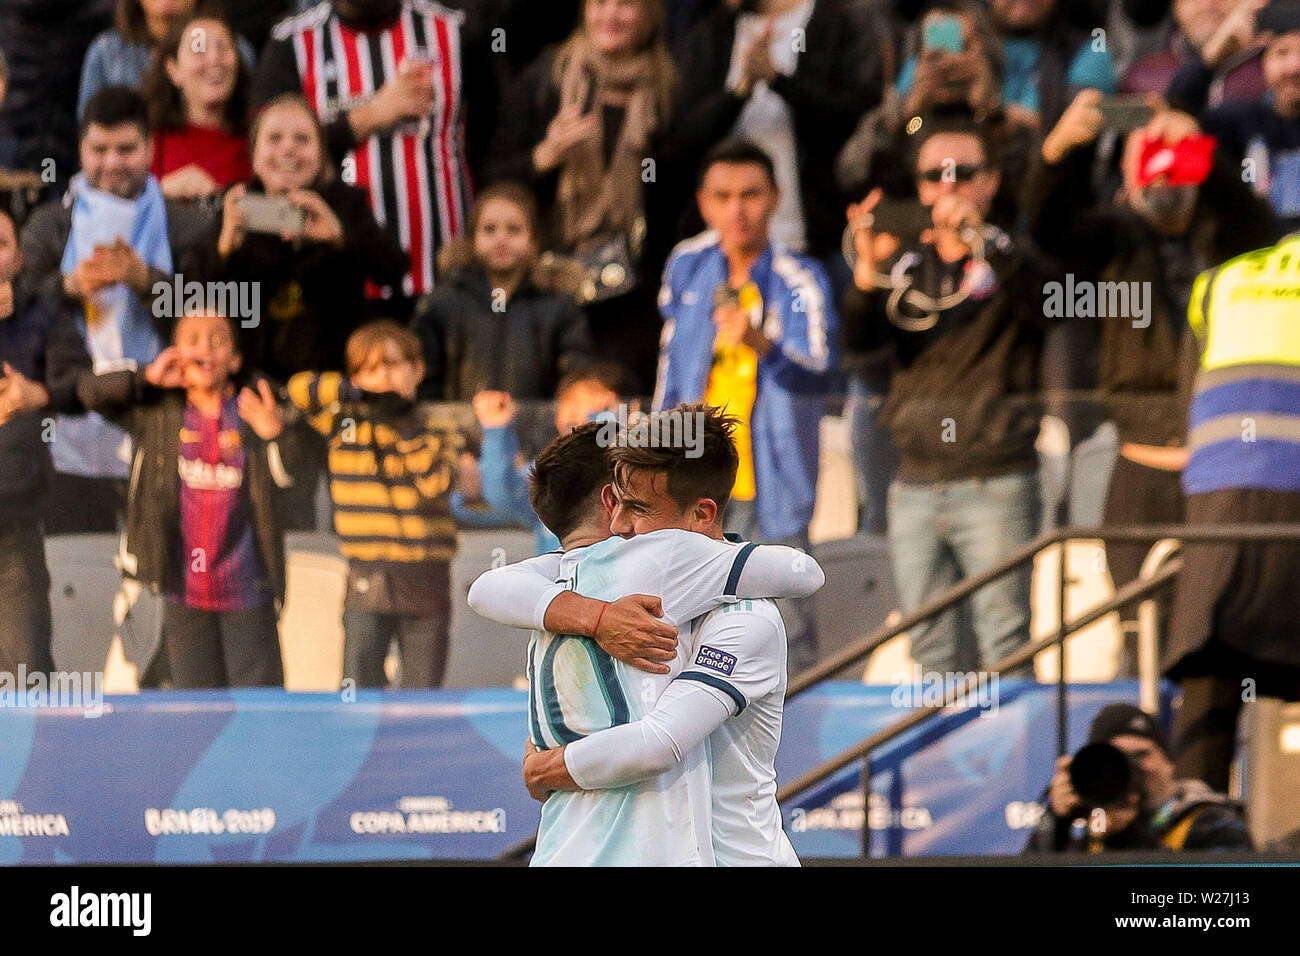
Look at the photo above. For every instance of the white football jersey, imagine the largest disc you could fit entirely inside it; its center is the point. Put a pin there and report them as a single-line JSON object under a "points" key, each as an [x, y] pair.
{"points": [[576, 689], [739, 652]]}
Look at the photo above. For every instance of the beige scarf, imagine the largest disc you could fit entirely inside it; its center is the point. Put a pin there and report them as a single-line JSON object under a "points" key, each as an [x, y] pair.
{"points": [[593, 199]]}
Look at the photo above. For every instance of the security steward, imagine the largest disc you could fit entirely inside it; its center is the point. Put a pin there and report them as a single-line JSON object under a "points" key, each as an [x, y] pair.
{"points": [[1235, 632]]}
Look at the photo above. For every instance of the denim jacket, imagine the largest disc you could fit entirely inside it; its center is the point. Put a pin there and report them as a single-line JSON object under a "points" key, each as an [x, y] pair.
{"points": [[799, 317]]}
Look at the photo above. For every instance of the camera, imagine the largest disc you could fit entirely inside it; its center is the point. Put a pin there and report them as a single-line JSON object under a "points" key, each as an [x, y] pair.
{"points": [[1103, 775]]}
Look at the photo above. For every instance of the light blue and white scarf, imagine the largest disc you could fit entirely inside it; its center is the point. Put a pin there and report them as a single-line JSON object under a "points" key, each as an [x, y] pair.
{"points": [[122, 334]]}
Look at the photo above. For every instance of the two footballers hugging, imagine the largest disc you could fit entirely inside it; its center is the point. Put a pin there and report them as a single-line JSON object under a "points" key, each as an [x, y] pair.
{"points": [[657, 663]]}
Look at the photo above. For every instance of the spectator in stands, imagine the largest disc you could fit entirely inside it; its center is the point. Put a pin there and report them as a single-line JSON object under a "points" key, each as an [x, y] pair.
{"points": [[45, 68], [971, 79], [201, 526], [123, 55], [1160, 813], [1084, 14], [312, 283], [793, 76], [1156, 235], [583, 395], [876, 155], [498, 321], [42, 355], [961, 404], [19, 189], [750, 326], [1261, 135], [407, 131], [1053, 49], [391, 476], [106, 250], [1047, 60], [582, 128], [1218, 32], [198, 108]]}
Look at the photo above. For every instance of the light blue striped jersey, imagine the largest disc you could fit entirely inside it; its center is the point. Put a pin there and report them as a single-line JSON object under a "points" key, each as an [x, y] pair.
{"points": [[576, 689]]}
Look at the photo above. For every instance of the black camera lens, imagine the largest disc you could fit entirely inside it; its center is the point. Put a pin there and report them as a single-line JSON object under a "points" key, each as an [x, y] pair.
{"points": [[1103, 775]]}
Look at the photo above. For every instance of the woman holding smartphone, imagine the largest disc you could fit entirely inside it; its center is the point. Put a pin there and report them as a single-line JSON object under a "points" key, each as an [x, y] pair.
{"points": [[313, 262], [310, 243]]}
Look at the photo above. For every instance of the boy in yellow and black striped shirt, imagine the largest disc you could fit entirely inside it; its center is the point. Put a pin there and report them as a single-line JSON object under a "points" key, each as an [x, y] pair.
{"points": [[391, 471]]}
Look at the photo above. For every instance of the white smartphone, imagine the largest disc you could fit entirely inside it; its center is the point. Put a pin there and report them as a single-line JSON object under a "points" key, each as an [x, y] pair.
{"points": [[272, 214]]}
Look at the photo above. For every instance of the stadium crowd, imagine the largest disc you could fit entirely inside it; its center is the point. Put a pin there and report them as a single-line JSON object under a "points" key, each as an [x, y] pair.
{"points": [[915, 214]]}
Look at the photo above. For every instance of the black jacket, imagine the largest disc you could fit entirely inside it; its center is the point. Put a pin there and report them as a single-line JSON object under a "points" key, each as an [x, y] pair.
{"points": [[523, 350], [153, 416], [46, 234], [42, 342], [312, 295], [963, 399], [837, 80], [1195, 818], [1138, 367]]}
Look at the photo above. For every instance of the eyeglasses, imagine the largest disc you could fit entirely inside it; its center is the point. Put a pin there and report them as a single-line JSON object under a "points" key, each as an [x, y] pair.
{"points": [[961, 173]]}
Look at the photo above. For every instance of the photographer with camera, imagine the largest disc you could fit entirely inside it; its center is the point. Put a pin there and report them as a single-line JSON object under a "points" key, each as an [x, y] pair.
{"points": [[955, 298], [1118, 792]]}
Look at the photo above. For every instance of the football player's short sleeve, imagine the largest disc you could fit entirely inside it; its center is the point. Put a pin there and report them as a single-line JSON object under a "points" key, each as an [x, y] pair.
{"points": [[695, 573], [739, 653]]}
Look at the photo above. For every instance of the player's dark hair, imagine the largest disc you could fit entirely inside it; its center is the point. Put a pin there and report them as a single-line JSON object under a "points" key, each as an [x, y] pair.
{"points": [[115, 106], [567, 478], [736, 151], [711, 474]]}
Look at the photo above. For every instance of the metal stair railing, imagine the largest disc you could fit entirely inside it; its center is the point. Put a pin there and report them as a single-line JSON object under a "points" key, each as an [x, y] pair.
{"points": [[1158, 571]]}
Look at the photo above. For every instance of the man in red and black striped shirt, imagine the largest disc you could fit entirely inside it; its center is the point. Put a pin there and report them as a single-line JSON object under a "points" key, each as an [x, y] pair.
{"points": [[405, 89]]}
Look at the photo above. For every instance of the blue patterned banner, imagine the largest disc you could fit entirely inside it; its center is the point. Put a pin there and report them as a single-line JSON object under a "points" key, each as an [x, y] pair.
{"points": [[257, 775]]}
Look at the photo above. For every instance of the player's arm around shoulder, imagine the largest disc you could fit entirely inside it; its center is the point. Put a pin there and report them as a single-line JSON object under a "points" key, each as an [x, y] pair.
{"points": [[682, 719], [518, 594], [527, 595]]}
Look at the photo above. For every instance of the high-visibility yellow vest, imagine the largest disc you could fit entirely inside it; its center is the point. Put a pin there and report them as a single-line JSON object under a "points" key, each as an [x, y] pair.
{"points": [[1244, 423]]}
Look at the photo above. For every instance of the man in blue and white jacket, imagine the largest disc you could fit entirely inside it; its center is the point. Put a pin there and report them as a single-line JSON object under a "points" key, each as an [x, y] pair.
{"points": [[751, 326]]}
